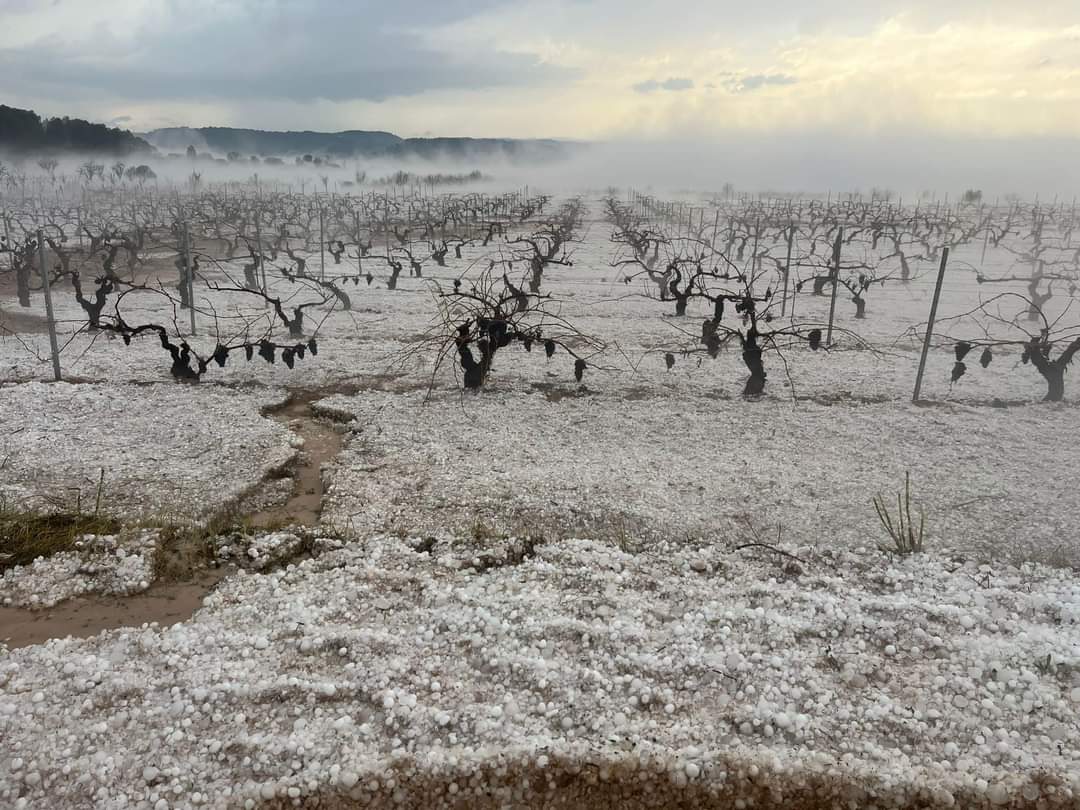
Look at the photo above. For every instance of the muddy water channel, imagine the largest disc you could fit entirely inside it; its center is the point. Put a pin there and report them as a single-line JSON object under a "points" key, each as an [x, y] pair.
{"points": [[168, 603], [322, 443], [87, 616]]}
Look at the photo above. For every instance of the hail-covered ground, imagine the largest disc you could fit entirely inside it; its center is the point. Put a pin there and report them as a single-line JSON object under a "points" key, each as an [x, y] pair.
{"points": [[637, 590]]}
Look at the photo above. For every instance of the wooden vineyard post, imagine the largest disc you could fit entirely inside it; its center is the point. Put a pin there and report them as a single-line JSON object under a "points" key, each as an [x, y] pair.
{"points": [[787, 268], [189, 276], [1072, 224], [359, 264], [53, 346], [930, 325], [386, 226], [260, 266], [754, 261], [836, 283], [322, 246], [7, 240]]}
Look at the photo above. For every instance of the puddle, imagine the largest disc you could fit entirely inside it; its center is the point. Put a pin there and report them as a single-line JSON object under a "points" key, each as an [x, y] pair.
{"points": [[171, 603], [87, 616]]}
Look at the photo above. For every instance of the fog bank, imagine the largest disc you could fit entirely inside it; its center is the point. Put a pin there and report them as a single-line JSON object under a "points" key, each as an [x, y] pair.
{"points": [[802, 164]]}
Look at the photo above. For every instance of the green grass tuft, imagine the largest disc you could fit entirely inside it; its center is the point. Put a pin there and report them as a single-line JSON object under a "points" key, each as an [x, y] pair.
{"points": [[26, 535], [906, 537]]}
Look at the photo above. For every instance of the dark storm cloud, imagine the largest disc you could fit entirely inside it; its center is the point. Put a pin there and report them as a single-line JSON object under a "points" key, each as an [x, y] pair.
{"points": [[274, 49], [673, 85]]}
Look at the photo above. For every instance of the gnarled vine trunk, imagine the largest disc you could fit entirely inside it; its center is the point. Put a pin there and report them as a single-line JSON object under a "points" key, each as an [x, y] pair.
{"points": [[22, 282], [1053, 371], [752, 358], [820, 282], [1055, 382], [536, 264]]}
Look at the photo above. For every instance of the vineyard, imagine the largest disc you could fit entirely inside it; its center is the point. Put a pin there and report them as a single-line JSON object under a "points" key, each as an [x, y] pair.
{"points": [[583, 479], [242, 267]]}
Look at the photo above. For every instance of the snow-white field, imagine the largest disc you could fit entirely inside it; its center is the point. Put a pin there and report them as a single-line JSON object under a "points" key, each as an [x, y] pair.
{"points": [[629, 648], [166, 450], [583, 676]]}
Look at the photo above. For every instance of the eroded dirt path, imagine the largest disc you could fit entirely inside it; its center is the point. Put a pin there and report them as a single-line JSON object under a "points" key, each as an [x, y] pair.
{"points": [[169, 603], [322, 443]]}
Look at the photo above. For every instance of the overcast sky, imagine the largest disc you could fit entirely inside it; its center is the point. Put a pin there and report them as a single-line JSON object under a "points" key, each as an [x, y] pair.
{"points": [[591, 69]]}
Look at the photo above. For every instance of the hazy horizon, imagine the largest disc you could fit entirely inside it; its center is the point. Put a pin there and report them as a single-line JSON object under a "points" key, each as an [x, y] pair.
{"points": [[813, 166]]}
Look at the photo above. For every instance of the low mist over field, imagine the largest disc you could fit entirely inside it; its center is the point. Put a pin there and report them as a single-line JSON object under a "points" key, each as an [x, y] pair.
{"points": [[814, 165]]}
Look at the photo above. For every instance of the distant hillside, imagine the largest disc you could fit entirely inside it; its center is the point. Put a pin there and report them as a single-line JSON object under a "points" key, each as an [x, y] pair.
{"points": [[352, 143], [25, 131]]}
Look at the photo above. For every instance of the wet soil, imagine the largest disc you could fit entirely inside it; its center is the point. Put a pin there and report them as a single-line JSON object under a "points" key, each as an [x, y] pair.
{"points": [[169, 603], [322, 442], [87, 616]]}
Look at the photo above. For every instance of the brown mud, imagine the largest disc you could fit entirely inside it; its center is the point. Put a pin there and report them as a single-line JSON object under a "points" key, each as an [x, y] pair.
{"points": [[169, 603], [87, 616]]}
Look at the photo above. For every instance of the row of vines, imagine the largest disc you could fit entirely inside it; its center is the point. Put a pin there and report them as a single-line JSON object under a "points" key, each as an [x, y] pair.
{"points": [[256, 271]]}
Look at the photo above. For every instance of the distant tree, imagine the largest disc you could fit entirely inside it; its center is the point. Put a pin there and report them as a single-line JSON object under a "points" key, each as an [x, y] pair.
{"points": [[233, 157], [89, 170], [19, 129], [191, 153], [140, 173], [23, 130]]}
